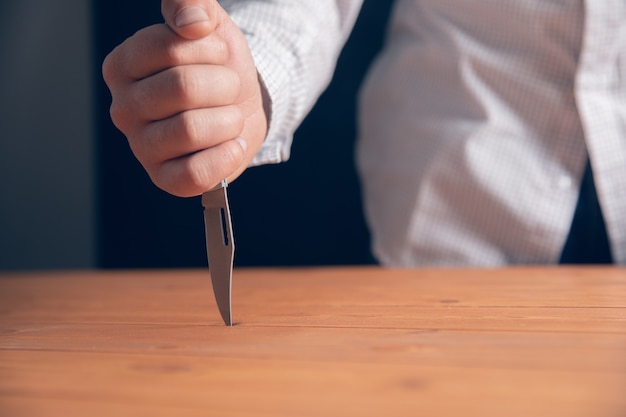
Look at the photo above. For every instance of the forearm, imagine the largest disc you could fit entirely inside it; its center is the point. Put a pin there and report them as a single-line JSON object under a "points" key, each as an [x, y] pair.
{"points": [[295, 45]]}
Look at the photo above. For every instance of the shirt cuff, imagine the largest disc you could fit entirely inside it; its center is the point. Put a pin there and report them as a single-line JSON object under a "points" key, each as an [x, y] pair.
{"points": [[274, 79]]}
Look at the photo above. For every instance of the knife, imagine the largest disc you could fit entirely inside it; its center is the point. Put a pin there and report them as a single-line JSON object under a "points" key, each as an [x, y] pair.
{"points": [[220, 247]]}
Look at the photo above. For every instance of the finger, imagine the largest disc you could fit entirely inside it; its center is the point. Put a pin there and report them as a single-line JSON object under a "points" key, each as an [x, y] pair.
{"points": [[191, 19], [182, 88], [187, 132], [194, 174], [156, 48]]}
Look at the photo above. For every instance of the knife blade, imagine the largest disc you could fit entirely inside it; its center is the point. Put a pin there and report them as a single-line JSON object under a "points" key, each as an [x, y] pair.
{"points": [[220, 247]]}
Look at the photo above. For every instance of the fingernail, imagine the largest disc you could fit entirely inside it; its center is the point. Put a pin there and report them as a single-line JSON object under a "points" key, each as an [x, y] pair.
{"points": [[243, 143], [191, 15]]}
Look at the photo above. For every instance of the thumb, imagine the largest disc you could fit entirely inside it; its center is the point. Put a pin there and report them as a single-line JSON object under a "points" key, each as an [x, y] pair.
{"points": [[191, 19]]}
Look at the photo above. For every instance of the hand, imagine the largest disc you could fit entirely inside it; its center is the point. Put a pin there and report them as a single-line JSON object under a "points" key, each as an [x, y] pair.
{"points": [[186, 94]]}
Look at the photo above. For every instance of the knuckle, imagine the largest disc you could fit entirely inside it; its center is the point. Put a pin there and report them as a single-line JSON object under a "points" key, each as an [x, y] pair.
{"points": [[233, 120], [183, 83], [196, 175], [176, 53], [233, 81], [115, 65], [107, 70], [227, 85], [220, 87], [200, 173], [111, 71], [120, 115], [160, 178], [170, 181], [142, 150], [188, 127]]}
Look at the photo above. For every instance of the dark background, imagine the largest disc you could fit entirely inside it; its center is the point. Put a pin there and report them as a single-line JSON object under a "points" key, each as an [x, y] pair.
{"points": [[306, 211]]}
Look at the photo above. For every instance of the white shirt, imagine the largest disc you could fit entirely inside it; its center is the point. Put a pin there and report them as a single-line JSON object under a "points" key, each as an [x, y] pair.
{"points": [[475, 121]]}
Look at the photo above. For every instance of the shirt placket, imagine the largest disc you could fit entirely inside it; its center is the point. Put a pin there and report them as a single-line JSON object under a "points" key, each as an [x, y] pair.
{"points": [[597, 87]]}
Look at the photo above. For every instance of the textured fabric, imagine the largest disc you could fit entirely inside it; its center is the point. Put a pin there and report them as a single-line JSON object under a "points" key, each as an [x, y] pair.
{"points": [[295, 45], [476, 121]]}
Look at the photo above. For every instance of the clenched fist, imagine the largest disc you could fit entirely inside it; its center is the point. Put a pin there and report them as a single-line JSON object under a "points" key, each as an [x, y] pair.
{"points": [[186, 94]]}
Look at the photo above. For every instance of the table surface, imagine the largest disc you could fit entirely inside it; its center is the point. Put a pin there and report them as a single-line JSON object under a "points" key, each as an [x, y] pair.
{"points": [[362, 341]]}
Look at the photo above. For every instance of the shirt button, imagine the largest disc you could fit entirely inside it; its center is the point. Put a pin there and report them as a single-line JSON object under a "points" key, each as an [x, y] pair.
{"points": [[564, 182]]}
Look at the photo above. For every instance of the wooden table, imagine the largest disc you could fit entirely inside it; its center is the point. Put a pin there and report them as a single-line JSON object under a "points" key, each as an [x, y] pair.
{"points": [[360, 341]]}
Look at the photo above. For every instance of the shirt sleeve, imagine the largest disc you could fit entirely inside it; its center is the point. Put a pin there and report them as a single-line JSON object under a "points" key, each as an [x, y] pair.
{"points": [[295, 45]]}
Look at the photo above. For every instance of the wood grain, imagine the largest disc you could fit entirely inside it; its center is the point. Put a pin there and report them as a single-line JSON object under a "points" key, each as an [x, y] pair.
{"points": [[309, 342]]}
